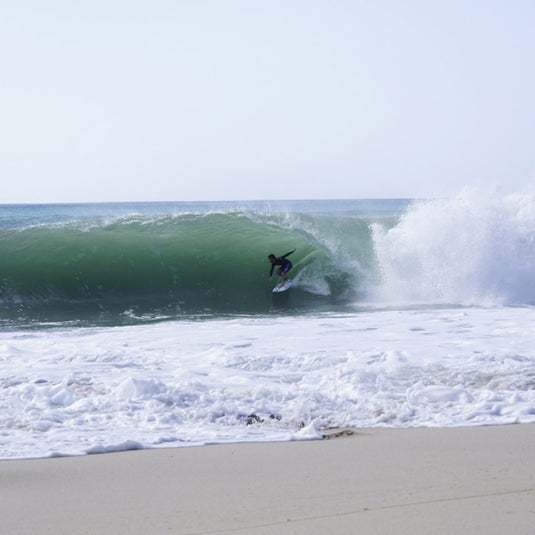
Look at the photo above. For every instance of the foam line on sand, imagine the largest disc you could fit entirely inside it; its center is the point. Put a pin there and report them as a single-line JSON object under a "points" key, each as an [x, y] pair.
{"points": [[392, 481]]}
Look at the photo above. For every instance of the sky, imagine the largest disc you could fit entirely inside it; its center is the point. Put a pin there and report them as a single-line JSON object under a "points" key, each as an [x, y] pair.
{"points": [[170, 100]]}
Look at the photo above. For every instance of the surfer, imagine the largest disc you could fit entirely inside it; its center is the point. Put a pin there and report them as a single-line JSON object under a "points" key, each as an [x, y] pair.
{"points": [[285, 265]]}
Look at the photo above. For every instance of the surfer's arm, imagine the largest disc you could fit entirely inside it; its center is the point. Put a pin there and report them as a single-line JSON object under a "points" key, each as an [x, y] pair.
{"points": [[287, 254], [271, 270]]}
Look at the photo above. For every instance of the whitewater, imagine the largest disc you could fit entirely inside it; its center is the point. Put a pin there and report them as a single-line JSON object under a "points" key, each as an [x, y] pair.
{"points": [[129, 326]]}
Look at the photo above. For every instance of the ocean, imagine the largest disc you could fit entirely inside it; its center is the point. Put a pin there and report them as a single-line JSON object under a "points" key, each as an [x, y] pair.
{"points": [[144, 325]]}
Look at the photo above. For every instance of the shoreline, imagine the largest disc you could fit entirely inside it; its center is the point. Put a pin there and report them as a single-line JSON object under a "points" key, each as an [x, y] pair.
{"points": [[375, 480]]}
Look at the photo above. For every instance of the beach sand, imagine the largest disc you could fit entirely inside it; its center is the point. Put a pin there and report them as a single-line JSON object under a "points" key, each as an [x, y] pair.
{"points": [[373, 481]]}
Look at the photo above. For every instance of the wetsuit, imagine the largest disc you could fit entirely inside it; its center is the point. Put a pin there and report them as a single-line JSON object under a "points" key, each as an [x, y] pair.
{"points": [[285, 265]]}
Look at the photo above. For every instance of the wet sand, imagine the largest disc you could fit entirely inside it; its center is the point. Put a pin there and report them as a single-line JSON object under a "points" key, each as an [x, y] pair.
{"points": [[370, 481]]}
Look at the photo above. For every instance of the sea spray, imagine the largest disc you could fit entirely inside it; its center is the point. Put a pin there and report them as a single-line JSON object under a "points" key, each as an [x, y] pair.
{"points": [[468, 250]]}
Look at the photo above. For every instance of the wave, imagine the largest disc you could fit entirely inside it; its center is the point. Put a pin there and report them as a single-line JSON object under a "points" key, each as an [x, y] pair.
{"points": [[468, 250], [188, 263]]}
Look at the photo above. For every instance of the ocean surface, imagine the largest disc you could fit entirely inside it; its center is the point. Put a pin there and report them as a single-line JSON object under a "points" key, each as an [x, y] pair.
{"points": [[144, 325]]}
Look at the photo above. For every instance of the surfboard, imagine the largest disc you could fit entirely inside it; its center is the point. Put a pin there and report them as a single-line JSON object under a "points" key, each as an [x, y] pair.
{"points": [[282, 287]]}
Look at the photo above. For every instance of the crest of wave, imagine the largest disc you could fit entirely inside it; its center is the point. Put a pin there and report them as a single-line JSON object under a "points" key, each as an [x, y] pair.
{"points": [[473, 249]]}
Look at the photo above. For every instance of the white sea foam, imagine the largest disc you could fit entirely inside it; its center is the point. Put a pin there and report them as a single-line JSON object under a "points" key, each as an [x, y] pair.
{"points": [[91, 390], [471, 249]]}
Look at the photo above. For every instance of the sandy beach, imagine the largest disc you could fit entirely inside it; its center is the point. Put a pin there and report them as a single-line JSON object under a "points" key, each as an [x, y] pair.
{"points": [[407, 481]]}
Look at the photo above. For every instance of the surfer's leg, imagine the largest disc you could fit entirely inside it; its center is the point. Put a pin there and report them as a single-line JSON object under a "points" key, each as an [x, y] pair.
{"points": [[284, 271]]}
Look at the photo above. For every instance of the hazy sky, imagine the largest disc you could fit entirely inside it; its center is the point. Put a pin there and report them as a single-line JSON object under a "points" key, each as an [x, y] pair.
{"points": [[107, 100]]}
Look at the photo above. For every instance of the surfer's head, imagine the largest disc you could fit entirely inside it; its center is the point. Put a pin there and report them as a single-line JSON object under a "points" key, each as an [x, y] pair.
{"points": [[272, 257]]}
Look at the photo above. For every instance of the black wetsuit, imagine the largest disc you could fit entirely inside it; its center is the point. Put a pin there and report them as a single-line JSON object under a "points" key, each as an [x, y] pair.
{"points": [[285, 265]]}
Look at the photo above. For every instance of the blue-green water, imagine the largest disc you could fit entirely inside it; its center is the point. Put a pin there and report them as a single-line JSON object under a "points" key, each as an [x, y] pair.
{"points": [[122, 263]]}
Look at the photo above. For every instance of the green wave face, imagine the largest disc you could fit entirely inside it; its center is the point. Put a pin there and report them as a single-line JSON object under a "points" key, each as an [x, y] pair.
{"points": [[183, 264]]}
